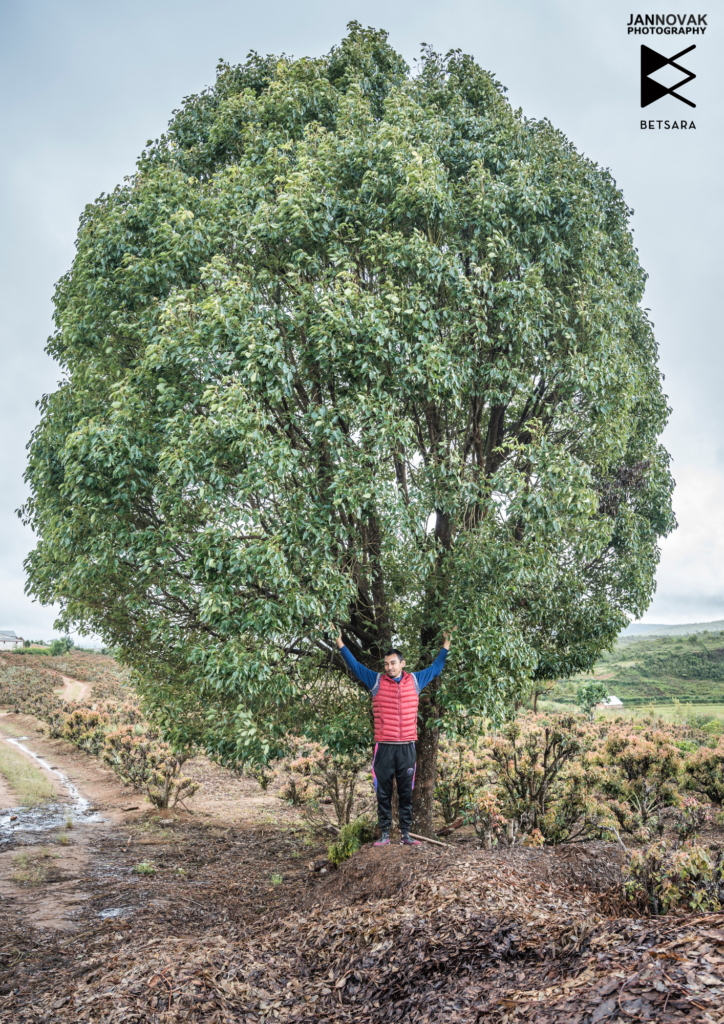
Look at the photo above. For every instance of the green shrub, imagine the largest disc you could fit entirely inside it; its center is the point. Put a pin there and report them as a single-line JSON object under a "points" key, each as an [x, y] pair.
{"points": [[326, 774], [705, 772], [261, 773], [351, 837], [144, 868], [662, 878], [458, 768], [148, 764], [61, 646]]}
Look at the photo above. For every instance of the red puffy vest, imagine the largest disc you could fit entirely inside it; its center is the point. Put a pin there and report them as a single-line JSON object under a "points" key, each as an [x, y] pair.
{"points": [[395, 710]]}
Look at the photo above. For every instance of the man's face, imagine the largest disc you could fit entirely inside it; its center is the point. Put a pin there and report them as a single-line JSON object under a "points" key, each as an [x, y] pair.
{"points": [[393, 665]]}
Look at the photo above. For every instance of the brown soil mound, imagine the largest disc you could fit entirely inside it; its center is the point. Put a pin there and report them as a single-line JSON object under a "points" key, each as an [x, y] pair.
{"points": [[414, 935], [375, 874]]}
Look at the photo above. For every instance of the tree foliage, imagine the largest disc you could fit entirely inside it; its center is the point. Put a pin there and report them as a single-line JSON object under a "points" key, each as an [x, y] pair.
{"points": [[360, 345], [61, 646], [706, 772], [590, 695]]}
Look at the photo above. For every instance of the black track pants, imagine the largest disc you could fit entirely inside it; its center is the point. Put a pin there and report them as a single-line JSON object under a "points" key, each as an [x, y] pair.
{"points": [[394, 761]]}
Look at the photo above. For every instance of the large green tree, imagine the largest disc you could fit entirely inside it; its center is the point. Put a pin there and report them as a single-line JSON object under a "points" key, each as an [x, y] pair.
{"points": [[351, 345]]}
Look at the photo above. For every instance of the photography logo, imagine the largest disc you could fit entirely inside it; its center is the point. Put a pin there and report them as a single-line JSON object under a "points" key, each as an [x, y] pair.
{"points": [[651, 63]]}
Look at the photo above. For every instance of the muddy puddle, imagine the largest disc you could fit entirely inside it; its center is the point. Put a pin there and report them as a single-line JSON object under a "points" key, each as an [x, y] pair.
{"points": [[73, 810]]}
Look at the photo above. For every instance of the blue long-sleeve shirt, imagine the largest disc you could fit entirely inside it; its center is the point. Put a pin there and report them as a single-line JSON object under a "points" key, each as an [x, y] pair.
{"points": [[372, 679]]}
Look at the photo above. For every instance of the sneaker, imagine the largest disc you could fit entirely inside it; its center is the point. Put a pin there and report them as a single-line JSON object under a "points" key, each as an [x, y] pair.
{"points": [[384, 839], [408, 840]]}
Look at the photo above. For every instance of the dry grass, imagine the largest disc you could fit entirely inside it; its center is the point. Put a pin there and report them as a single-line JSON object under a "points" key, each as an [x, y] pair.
{"points": [[10, 729], [32, 867], [31, 786]]}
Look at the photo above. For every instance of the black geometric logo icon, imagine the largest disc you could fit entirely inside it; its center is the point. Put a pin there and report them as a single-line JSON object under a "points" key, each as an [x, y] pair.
{"points": [[651, 90]]}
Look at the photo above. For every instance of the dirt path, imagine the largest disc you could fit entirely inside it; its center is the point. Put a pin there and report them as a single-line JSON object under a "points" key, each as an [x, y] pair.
{"points": [[96, 782], [60, 862], [7, 797], [136, 870], [75, 689], [46, 851]]}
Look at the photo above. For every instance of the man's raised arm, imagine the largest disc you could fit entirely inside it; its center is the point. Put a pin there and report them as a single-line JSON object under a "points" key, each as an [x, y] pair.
{"points": [[428, 674], [365, 675]]}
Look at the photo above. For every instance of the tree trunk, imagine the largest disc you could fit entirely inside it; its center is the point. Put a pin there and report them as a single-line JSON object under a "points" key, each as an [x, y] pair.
{"points": [[428, 735], [423, 795]]}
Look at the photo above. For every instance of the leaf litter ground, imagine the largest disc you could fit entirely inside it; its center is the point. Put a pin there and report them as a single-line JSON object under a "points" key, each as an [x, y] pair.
{"points": [[421, 935]]}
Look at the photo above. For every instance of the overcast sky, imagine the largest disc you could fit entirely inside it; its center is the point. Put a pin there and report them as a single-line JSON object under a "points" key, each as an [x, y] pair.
{"points": [[85, 84]]}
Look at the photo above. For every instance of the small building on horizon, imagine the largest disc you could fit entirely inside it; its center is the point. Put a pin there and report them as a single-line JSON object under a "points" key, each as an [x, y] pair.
{"points": [[611, 704], [9, 641]]}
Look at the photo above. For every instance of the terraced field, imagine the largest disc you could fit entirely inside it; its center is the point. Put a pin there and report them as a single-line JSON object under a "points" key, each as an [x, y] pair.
{"points": [[660, 670]]}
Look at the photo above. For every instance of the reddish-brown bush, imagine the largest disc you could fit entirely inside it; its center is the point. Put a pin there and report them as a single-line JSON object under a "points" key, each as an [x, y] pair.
{"points": [[662, 878], [704, 769], [113, 728], [319, 772], [87, 729], [149, 765], [459, 769], [638, 777], [537, 771]]}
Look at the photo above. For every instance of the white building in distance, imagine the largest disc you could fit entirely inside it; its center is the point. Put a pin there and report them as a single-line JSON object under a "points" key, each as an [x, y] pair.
{"points": [[611, 703], [9, 641]]}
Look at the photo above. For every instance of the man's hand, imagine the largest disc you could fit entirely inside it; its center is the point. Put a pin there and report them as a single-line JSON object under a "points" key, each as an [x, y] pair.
{"points": [[336, 629], [448, 638]]}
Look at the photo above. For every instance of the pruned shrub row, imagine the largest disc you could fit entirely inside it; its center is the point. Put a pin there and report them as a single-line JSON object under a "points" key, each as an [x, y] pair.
{"points": [[112, 729], [561, 779]]}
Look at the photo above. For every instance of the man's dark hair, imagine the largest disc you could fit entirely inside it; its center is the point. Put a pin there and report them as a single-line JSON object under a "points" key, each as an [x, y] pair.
{"points": [[388, 654]]}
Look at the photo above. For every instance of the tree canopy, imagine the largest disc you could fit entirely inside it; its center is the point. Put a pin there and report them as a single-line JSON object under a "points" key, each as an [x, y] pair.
{"points": [[353, 344]]}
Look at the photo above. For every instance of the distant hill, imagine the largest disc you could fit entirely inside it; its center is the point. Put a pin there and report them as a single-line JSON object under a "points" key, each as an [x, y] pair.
{"points": [[686, 665], [686, 629]]}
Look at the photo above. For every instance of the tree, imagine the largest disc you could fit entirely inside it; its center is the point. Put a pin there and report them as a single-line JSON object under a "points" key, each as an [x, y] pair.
{"points": [[542, 688], [589, 695], [62, 645], [359, 346]]}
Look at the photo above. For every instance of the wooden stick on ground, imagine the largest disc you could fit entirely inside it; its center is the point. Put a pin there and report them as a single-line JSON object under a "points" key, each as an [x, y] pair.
{"points": [[426, 840]]}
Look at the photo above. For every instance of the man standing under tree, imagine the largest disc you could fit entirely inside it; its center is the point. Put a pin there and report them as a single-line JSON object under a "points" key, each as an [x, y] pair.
{"points": [[395, 696]]}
